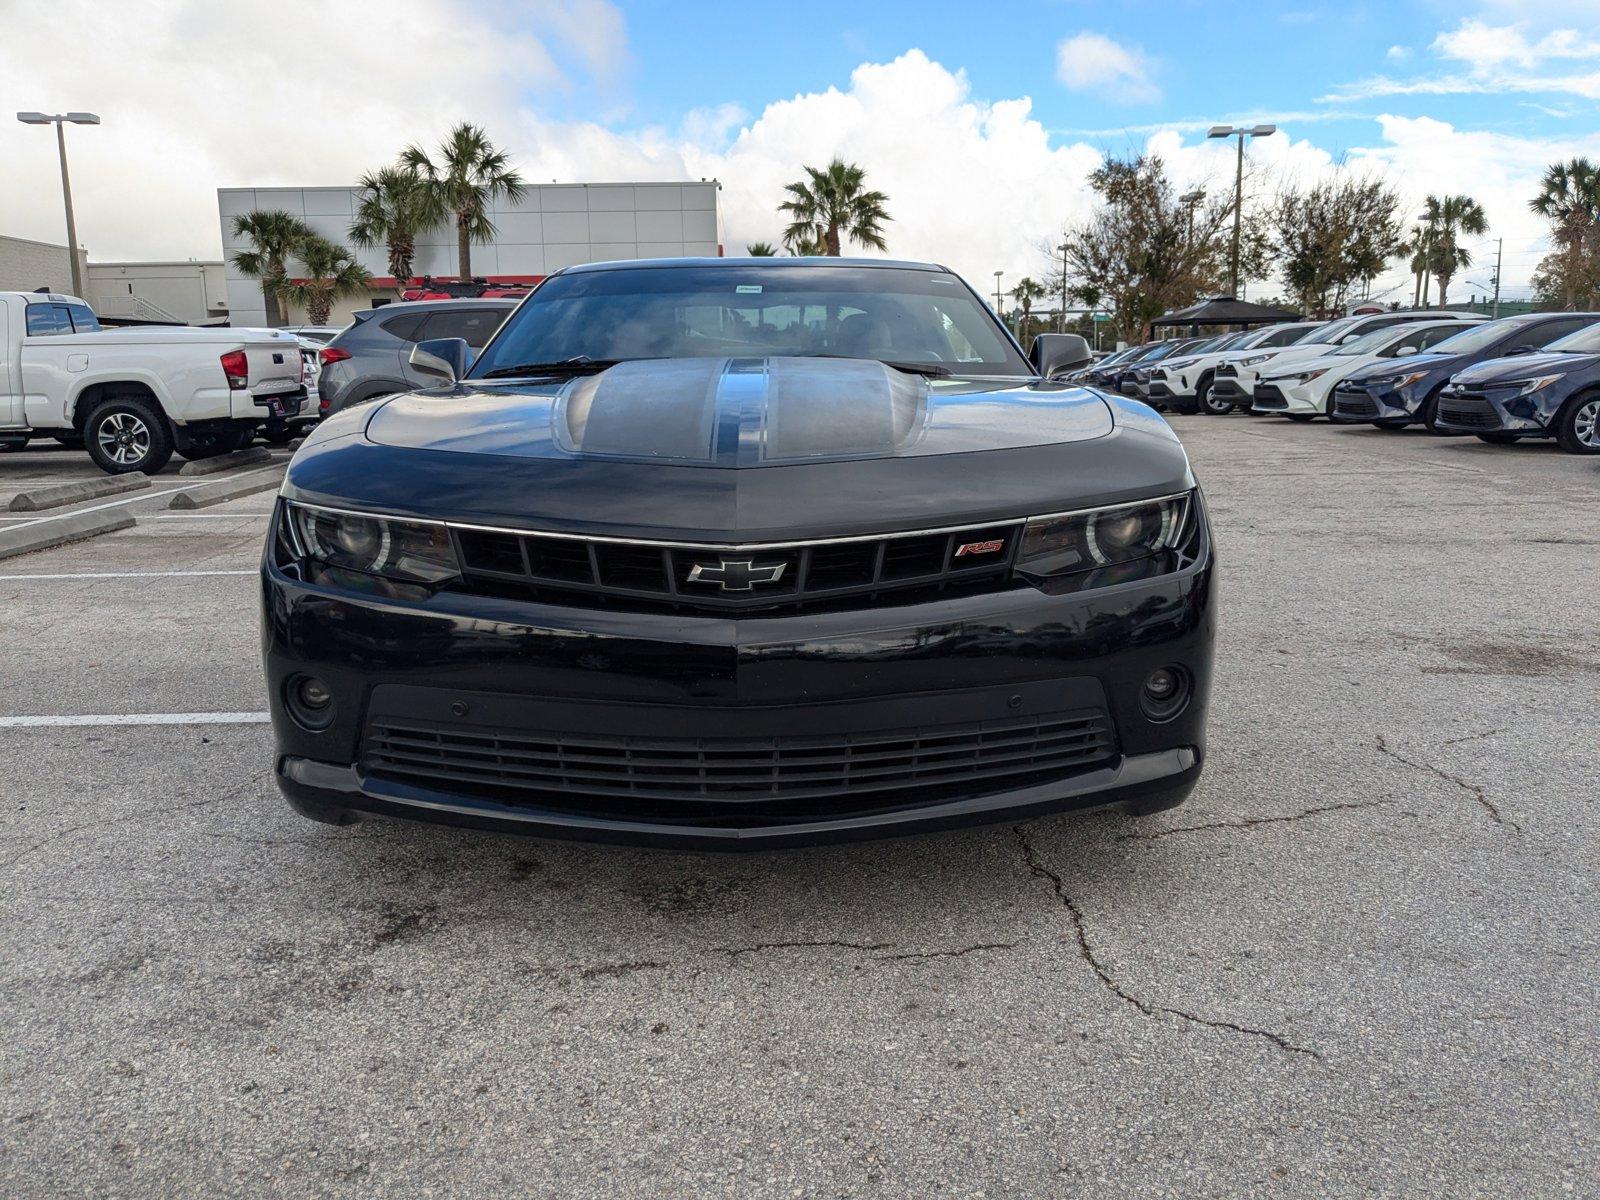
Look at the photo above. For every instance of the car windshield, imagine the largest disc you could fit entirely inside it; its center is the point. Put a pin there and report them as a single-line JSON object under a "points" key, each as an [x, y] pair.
{"points": [[1585, 341], [898, 315], [1475, 338], [1368, 343]]}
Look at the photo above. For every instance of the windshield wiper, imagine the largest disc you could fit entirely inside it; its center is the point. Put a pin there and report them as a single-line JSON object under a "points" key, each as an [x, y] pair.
{"points": [[578, 364]]}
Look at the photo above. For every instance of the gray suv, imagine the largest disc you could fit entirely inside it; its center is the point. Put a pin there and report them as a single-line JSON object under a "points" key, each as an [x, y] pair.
{"points": [[371, 358]]}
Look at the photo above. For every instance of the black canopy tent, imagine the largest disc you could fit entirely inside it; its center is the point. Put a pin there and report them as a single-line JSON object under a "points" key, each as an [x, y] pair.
{"points": [[1223, 310]]}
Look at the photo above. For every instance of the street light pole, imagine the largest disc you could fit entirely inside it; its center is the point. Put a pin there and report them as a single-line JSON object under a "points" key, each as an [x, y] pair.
{"points": [[997, 307], [1240, 132], [60, 121], [1063, 321]]}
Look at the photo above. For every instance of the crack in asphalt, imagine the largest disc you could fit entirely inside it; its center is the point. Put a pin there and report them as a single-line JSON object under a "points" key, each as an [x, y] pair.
{"points": [[829, 944], [1471, 789], [958, 952], [1471, 737], [1251, 822], [1086, 951], [122, 820]]}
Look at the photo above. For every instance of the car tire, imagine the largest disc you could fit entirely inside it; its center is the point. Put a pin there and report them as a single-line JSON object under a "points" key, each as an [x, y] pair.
{"points": [[219, 444], [1206, 406], [278, 435], [126, 434], [1497, 439], [1428, 414], [1578, 424]]}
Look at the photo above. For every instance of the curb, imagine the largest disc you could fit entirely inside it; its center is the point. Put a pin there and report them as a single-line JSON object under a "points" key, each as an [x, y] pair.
{"points": [[57, 531], [232, 488], [70, 493], [223, 462]]}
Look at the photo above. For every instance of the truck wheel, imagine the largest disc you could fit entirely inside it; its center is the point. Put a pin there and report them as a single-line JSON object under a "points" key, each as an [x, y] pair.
{"points": [[127, 433], [1578, 425], [212, 445]]}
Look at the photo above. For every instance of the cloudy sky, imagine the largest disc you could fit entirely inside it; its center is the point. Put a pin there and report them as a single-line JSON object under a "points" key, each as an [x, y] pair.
{"points": [[980, 121]]}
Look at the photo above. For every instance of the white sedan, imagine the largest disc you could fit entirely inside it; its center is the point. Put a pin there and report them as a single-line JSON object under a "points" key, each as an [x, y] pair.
{"points": [[1299, 389]]}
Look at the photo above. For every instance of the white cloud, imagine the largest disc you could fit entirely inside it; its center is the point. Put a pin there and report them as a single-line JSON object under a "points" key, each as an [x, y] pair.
{"points": [[1092, 62], [1397, 53], [1490, 59]]}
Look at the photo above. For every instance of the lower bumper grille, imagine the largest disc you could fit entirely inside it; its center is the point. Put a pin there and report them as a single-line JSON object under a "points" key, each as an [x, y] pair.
{"points": [[1479, 415], [1355, 404], [1268, 396], [723, 777]]}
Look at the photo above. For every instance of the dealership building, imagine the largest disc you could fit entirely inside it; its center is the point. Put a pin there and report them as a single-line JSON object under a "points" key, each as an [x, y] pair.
{"points": [[554, 225]]}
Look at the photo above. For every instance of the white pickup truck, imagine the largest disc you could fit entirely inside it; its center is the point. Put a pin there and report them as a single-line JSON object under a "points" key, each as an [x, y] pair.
{"points": [[135, 395]]}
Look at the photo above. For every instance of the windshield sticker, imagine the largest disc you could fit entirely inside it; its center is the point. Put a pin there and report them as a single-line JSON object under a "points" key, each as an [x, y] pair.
{"points": [[748, 289]]}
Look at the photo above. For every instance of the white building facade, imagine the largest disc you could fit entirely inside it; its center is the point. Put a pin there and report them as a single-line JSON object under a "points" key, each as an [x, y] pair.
{"points": [[554, 225]]}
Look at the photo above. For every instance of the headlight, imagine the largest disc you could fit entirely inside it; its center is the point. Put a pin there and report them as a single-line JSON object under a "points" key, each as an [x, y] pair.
{"points": [[1297, 377], [1395, 381], [404, 550], [1254, 359], [1104, 537], [1526, 387]]}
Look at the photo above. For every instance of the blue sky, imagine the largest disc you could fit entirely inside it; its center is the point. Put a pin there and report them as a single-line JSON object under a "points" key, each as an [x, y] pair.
{"points": [[981, 121]]}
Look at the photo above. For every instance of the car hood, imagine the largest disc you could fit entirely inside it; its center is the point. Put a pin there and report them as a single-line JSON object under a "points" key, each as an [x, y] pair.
{"points": [[744, 412], [1524, 366], [741, 449], [1408, 364]]}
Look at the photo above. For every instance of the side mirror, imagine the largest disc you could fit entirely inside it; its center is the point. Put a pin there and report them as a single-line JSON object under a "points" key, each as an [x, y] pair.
{"points": [[444, 358], [1054, 354], [1405, 351]]}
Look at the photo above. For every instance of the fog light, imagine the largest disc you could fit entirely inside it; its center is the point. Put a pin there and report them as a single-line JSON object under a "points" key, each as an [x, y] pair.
{"points": [[1165, 694], [310, 702]]}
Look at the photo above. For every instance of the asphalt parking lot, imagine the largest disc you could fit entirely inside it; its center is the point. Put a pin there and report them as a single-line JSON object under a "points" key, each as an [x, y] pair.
{"points": [[1362, 960]]}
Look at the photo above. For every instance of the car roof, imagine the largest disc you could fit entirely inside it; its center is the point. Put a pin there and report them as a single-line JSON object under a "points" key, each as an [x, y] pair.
{"points": [[820, 262], [404, 306]]}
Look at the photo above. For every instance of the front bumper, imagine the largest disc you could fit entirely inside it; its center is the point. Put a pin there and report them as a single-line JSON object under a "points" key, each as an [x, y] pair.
{"points": [[1472, 410], [1228, 387], [1280, 396], [1355, 404], [495, 713]]}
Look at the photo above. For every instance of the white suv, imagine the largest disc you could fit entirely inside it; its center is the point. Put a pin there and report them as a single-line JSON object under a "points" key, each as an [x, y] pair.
{"points": [[1184, 383]]}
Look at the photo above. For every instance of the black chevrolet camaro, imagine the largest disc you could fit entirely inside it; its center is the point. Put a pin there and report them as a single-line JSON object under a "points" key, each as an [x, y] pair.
{"points": [[737, 553]]}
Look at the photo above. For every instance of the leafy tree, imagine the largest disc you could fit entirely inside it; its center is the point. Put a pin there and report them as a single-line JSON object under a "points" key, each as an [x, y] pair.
{"points": [[833, 204], [1569, 198], [274, 235], [1137, 254], [396, 204], [467, 177], [1334, 235], [760, 250], [1448, 218], [331, 274]]}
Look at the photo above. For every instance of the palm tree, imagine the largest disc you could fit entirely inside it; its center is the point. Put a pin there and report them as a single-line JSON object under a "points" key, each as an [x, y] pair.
{"points": [[396, 204], [834, 204], [1569, 198], [468, 177], [803, 241], [1417, 246], [1449, 217], [331, 274], [274, 236], [1025, 293], [760, 250]]}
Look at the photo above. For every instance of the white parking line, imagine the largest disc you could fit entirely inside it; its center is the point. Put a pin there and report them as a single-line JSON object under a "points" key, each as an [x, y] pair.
{"points": [[129, 575], [200, 718]]}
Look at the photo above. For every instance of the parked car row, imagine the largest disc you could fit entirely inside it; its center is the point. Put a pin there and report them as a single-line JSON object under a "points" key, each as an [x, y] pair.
{"points": [[1531, 375]]}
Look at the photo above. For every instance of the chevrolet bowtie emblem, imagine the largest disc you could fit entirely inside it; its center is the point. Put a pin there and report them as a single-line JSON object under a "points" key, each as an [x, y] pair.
{"points": [[736, 575]]}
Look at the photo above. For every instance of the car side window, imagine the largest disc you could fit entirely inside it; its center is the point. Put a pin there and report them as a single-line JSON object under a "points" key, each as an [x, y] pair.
{"points": [[1427, 337], [404, 326], [83, 318], [473, 325], [48, 320], [1544, 334]]}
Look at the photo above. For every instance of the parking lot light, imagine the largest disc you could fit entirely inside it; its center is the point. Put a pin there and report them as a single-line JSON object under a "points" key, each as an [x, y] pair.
{"points": [[1240, 132], [61, 121]]}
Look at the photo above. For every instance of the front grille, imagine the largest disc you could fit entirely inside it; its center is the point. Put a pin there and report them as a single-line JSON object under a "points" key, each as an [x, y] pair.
{"points": [[1227, 369], [733, 578], [1478, 415], [1355, 404], [726, 778], [1268, 396]]}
